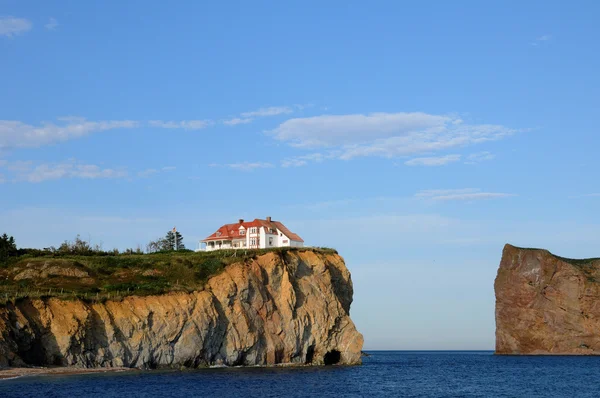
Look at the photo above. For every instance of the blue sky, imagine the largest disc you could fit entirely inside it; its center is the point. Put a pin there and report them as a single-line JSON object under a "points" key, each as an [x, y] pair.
{"points": [[417, 138]]}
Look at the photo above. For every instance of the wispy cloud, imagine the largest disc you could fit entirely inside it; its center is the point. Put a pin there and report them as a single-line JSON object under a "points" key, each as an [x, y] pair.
{"points": [[466, 194], [303, 160], [588, 195], [16, 134], [386, 134], [244, 166], [12, 26], [28, 171], [182, 124], [433, 161], [52, 24], [236, 120], [150, 172], [270, 111], [479, 157], [70, 169], [538, 40]]}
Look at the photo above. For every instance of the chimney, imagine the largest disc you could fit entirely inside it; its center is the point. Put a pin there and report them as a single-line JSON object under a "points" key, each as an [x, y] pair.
{"points": [[268, 219], [241, 220]]}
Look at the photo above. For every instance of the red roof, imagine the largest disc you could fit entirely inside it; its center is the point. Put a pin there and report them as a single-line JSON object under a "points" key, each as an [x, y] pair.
{"points": [[232, 231]]}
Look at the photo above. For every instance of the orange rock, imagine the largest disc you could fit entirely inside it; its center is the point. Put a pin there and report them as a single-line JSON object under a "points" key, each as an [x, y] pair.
{"points": [[290, 308], [546, 304]]}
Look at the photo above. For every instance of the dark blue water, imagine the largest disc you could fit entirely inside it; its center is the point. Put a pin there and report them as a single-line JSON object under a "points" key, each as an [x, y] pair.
{"points": [[385, 373]]}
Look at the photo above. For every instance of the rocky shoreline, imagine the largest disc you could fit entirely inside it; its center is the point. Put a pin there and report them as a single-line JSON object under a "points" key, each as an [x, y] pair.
{"points": [[13, 373]]}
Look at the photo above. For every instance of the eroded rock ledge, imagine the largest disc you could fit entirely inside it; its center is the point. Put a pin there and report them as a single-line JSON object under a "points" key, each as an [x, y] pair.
{"points": [[279, 308], [546, 304]]}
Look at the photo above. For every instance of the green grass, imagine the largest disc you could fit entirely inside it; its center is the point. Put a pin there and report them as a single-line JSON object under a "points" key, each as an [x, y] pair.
{"points": [[118, 276]]}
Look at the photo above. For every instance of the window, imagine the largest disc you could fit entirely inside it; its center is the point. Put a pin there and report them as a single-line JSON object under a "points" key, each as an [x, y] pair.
{"points": [[270, 241], [242, 232], [253, 230], [252, 241]]}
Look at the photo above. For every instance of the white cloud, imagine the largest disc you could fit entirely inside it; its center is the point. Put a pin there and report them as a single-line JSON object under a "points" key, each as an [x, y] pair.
{"points": [[52, 24], [385, 134], [479, 157], [270, 111], [588, 195], [147, 173], [150, 172], [433, 161], [540, 39], [16, 134], [459, 194], [298, 161], [28, 171], [69, 169], [249, 166], [11, 26], [236, 120], [183, 124]]}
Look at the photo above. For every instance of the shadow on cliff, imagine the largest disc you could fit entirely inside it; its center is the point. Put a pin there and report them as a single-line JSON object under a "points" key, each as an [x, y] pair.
{"points": [[96, 345], [341, 287], [302, 270], [217, 335], [36, 345]]}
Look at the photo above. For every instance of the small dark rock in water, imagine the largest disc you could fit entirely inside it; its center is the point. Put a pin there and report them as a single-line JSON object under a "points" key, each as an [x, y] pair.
{"points": [[364, 354]]}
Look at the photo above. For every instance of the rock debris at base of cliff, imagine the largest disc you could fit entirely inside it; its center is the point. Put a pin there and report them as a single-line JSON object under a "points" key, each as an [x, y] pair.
{"points": [[279, 308], [546, 304]]}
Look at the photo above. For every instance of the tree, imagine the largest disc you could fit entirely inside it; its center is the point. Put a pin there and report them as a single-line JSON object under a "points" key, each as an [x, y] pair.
{"points": [[157, 245], [78, 246], [174, 241], [167, 243], [8, 247]]}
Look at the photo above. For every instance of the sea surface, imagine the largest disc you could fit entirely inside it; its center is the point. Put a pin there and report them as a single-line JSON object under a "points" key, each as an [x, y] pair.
{"points": [[383, 374]]}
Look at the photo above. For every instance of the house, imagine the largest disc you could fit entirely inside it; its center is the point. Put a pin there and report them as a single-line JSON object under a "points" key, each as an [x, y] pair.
{"points": [[257, 234]]}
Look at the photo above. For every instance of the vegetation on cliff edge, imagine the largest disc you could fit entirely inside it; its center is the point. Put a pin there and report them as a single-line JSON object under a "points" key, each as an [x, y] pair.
{"points": [[98, 276], [574, 261]]}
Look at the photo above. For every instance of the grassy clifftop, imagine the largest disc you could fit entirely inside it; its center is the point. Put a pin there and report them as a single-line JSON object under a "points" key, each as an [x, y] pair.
{"points": [[101, 277], [574, 261]]}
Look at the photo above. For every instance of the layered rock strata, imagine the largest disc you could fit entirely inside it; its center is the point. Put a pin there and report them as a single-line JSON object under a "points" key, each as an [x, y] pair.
{"points": [[280, 308]]}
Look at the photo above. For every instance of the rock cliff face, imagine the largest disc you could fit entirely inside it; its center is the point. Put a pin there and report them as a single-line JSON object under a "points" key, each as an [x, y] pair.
{"points": [[546, 304], [290, 308]]}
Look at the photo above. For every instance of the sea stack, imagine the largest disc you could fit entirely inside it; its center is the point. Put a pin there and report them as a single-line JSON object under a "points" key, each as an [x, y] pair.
{"points": [[547, 305]]}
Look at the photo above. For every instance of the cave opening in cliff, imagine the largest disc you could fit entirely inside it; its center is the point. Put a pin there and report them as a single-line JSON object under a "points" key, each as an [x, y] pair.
{"points": [[332, 357], [310, 354]]}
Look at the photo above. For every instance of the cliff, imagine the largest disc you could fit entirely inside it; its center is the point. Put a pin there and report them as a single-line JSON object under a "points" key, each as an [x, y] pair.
{"points": [[288, 307], [546, 304]]}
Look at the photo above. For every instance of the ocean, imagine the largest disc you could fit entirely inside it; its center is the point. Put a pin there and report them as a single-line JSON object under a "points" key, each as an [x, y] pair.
{"points": [[383, 374]]}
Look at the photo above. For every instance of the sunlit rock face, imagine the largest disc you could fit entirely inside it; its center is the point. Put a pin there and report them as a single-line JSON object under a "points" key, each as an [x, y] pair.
{"points": [[279, 308], [546, 304]]}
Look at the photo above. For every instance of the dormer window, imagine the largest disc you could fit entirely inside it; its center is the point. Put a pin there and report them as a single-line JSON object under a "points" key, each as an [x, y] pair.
{"points": [[242, 232], [218, 234]]}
